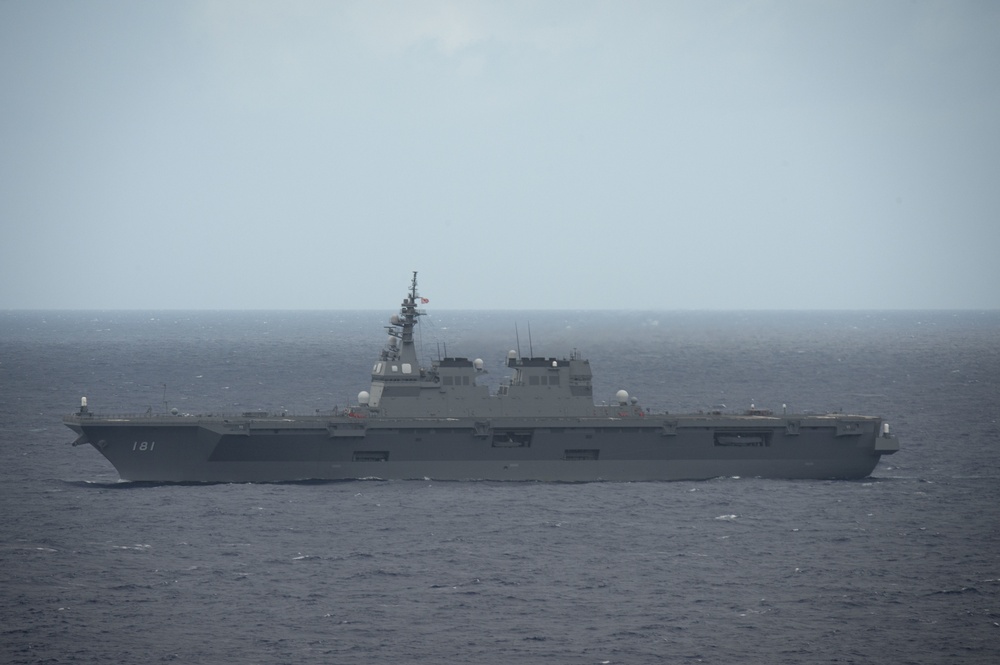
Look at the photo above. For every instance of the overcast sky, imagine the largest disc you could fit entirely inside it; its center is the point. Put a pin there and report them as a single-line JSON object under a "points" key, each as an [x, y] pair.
{"points": [[570, 155]]}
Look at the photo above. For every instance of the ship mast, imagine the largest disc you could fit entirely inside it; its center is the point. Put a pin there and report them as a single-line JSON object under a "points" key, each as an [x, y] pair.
{"points": [[400, 347]]}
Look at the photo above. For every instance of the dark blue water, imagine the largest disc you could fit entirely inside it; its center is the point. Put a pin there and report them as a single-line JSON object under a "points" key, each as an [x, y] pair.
{"points": [[903, 567]]}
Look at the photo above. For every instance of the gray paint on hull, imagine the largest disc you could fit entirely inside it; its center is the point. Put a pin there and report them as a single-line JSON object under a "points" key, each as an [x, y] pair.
{"points": [[436, 422], [286, 450]]}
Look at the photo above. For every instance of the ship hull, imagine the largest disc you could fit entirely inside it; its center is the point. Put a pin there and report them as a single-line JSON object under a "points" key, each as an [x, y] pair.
{"points": [[189, 449]]}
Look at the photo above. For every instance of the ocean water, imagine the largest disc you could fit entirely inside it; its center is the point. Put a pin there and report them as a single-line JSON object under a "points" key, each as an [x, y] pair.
{"points": [[903, 567]]}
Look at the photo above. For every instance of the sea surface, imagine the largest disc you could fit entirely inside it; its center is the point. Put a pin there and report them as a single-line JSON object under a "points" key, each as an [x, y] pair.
{"points": [[902, 567]]}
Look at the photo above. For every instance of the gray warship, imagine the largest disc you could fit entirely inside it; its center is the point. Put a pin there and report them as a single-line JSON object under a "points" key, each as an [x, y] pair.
{"points": [[438, 423]]}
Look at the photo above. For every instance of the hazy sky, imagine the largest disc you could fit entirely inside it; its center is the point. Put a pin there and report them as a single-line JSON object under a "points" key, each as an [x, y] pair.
{"points": [[572, 154]]}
